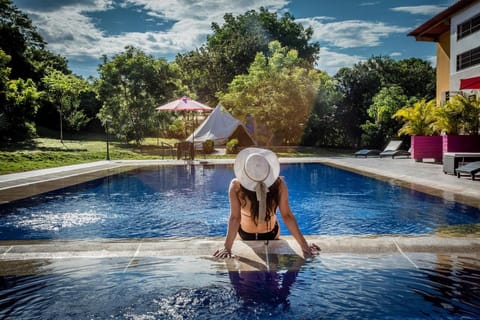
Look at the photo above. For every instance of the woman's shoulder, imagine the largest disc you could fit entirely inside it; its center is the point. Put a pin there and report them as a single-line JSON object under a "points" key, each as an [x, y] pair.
{"points": [[235, 184]]}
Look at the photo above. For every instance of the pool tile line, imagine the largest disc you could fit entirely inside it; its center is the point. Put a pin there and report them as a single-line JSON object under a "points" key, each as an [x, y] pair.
{"points": [[404, 255], [7, 251], [133, 257]]}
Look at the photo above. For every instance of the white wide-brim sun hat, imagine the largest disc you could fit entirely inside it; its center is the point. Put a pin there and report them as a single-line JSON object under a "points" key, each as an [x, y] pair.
{"points": [[256, 165]]}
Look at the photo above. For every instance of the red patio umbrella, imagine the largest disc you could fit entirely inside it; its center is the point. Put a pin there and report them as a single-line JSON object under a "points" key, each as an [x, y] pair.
{"points": [[185, 104]]}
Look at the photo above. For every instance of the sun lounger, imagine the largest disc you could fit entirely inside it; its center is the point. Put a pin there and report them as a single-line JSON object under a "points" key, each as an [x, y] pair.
{"points": [[471, 169], [393, 145], [367, 152], [395, 153]]}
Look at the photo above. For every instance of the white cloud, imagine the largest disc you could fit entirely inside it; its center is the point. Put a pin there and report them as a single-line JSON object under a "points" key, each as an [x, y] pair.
{"points": [[71, 33], [396, 54], [367, 4], [350, 33], [331, 61], [426, 10], [432, 60]]}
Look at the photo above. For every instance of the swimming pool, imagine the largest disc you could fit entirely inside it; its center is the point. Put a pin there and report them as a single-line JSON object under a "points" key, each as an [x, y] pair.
{"points": [[192, 201], [332, 286]]}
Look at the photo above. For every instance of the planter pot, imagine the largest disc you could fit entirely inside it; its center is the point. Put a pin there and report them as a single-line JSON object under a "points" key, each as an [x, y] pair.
{"points": [[457, 143], [426, 147]]}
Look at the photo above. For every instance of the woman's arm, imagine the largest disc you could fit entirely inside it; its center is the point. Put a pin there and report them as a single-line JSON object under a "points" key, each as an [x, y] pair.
{"points": [[291, 222], [233, 222]]}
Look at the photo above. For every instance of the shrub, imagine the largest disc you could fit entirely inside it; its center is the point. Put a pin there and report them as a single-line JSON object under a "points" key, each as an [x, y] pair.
{"points": [[419, 119], [208, 146], [232, 146], [176, 129]]}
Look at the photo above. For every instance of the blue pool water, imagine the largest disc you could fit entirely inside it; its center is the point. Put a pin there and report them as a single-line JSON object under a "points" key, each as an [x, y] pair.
{"points": [[191, 201], [329, 287]]}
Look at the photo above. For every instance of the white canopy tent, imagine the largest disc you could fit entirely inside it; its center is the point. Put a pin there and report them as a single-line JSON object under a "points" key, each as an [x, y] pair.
{"points": [[220, 126]]}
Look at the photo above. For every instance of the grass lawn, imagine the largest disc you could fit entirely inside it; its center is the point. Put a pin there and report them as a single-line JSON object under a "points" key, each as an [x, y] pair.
{"points": [[50, 152], [47, 152]]}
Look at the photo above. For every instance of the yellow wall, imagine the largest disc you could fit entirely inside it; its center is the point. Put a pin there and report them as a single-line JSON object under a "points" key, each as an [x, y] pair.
{"points": [[443, 65]]}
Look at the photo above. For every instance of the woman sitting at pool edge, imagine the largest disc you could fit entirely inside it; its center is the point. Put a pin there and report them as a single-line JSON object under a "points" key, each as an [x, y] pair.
{"points": [[255, 194]]}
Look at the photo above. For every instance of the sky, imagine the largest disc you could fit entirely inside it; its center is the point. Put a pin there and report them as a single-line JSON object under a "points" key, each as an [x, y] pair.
{"points": [[348, 31]]}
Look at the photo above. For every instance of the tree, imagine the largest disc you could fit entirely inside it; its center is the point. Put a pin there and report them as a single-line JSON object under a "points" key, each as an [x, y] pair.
{"points": [[381, 126], [64, 90], [130, 86], [232, 47], [416, 77], [322, 126], [358, 85], [278, 93], [17, 34], [361, 83], [18, 104]]}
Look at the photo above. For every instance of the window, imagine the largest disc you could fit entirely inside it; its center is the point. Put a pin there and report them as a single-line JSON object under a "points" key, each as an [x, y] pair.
{"points": [[468, 59], [468, 27]]}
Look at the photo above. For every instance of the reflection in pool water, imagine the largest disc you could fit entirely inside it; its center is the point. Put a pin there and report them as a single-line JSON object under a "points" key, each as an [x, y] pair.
{"points": [[330, 286]]}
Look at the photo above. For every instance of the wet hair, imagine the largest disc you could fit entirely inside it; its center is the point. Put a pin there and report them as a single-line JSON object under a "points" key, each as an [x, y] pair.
{"points": [[273, 197]]}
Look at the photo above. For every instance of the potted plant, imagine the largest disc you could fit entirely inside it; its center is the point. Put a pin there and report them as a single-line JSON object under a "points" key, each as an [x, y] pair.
{"points": [[232, 146], [459, 122], [419, 122]]}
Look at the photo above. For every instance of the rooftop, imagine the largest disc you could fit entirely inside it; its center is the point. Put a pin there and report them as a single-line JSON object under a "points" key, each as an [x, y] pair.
{"points": [[433, 28]]}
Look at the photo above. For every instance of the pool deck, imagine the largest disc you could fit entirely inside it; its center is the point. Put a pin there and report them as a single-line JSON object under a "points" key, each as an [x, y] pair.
{"points": [[16, 256]]}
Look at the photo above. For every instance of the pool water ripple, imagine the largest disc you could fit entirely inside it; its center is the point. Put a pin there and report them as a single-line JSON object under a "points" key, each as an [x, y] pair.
{"points": [[330, 286], [192, 201]]}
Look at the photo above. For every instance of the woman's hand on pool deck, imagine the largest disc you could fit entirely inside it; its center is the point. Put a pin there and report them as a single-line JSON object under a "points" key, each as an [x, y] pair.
{"points": [[222, 253], [311, 250]]}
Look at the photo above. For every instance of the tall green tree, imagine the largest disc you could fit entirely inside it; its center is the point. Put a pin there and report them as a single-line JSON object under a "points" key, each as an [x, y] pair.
{"points": [[131, 85], [358, 85], [17, 34], [323, 129], [416, 77], [278, 93], [381, 126], [361, 83], [65, 90], [29, 58], [232, 47], [18, 104]]}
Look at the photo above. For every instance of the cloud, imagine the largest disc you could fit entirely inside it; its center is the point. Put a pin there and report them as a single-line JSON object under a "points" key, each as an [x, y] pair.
{"points": [[426, 10], [367, 4], [350, 33], [70, 32], [331, 61], [432, 60], [54, 5]]}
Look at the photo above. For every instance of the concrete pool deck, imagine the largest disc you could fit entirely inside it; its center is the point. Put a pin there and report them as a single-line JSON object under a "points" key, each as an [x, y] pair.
{"points": [[424, 177], [195, 254]]}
